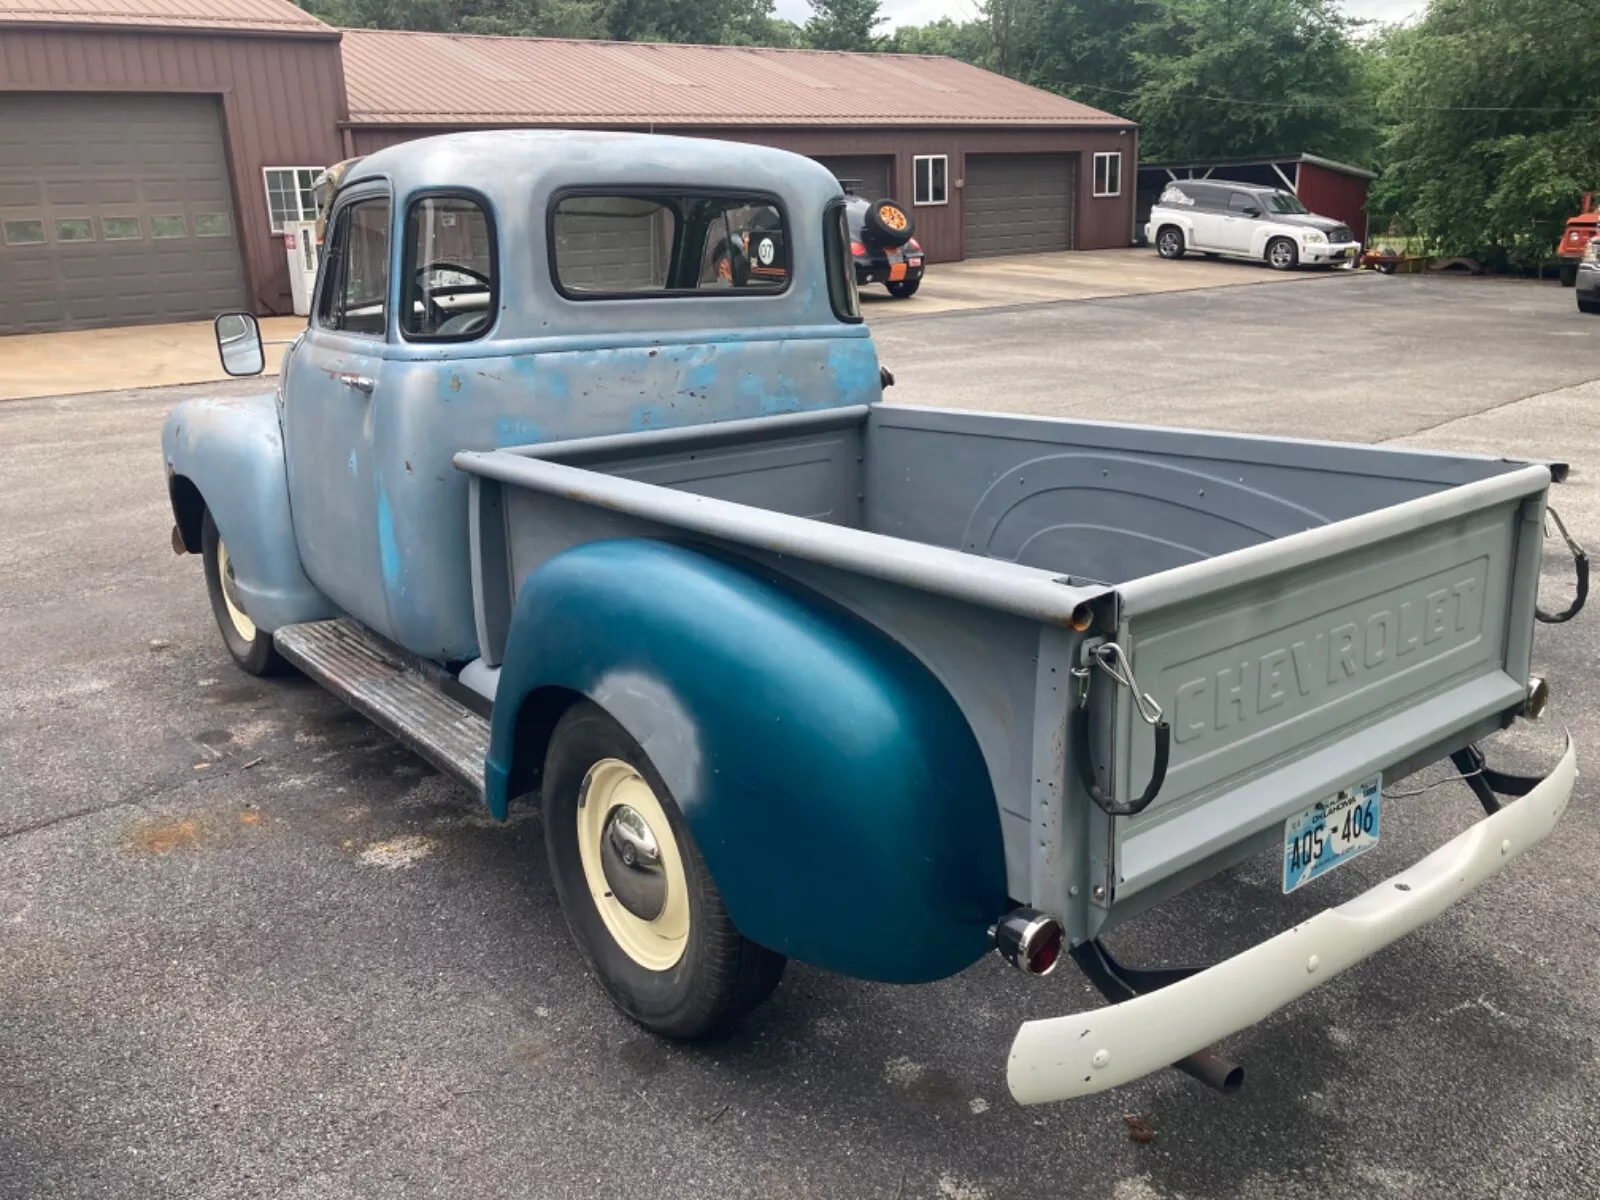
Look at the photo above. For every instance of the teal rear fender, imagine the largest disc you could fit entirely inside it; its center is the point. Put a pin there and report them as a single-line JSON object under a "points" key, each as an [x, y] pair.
{"points": [[832, 784]]}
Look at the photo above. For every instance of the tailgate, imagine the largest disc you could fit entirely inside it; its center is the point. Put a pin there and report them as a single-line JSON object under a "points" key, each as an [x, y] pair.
{"points": [[1293, 669]]}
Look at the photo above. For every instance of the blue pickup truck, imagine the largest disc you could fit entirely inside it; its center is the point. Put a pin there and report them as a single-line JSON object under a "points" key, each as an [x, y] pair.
{"points": [[580, 483]]}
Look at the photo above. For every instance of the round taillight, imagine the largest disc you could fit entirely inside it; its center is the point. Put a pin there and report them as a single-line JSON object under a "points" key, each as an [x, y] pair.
{"points": [[1044, 950], [1029, 940], [858, 249], [913, 244]]}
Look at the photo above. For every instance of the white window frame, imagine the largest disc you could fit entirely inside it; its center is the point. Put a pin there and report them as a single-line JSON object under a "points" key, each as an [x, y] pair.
{"points": [[930, 202], [1108, 155], [266, 186]]}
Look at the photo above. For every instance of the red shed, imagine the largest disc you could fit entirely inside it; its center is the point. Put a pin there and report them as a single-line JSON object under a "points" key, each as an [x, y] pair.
{"points": [[1331, 189]]}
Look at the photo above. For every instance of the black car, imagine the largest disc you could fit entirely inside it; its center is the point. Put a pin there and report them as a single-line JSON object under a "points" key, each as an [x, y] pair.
{"points": [[884, 250]]}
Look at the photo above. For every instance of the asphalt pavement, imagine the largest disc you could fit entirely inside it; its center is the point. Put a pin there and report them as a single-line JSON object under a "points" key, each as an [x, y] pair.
{"points": [[250, 947]]}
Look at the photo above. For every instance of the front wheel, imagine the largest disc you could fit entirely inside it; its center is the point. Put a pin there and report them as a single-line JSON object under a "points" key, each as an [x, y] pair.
{"points": [[1282, 254], [1169, 242], [249, 646], [1568, 273], [904, 289], [1589, 306], [637, 896]]}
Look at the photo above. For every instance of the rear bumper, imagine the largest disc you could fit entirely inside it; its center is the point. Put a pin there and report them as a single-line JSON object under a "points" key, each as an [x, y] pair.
{"points": [[1063, 1057]]}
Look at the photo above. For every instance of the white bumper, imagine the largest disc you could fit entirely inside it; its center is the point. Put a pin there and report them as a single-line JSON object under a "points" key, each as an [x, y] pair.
{"points": [[1322, 252], [1063, 1057]]}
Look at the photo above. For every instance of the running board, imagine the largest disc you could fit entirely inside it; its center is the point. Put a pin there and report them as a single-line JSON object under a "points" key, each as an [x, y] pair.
{"points": [[373, 678]]}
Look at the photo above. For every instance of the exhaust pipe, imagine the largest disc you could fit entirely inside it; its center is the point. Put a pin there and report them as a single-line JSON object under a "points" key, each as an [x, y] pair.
{"points": [[1029, 940], [1213, 1069]]}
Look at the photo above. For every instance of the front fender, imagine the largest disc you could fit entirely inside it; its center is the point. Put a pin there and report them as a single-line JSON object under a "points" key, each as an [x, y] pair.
{"points": [[835, 790], [227, 453]]}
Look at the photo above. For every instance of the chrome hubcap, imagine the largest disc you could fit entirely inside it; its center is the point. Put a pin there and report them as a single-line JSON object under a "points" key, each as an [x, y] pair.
{"points": [[630, 858]]}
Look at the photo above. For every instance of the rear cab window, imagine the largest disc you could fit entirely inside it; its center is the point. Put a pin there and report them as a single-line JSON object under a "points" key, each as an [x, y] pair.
{"points": [[618, 244]]}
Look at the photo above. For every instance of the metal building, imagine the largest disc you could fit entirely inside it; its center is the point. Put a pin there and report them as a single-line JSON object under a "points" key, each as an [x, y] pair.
{"points": [[153, 151]]}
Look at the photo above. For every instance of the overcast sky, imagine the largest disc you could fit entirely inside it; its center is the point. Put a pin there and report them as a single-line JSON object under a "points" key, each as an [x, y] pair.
{"points": [[917, 12]]}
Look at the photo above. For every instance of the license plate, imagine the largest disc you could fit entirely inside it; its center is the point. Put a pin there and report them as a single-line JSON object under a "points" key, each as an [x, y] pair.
{"points": [[1330, 833], [1348, 252], [913, 262]]}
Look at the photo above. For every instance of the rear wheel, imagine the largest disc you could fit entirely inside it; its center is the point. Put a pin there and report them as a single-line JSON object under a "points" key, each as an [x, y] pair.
{"points": [[637, 896], [1589, 306], [904, 289], [1282, 254], [1169, 242], [250, 646]]}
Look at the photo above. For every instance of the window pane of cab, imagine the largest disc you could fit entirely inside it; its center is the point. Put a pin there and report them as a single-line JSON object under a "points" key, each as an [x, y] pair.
{"points": [[450, 281], [667, 243]]}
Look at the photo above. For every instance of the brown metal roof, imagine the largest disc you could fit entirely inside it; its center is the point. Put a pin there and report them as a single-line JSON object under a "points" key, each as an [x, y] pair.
{"points": [[396, 78], [231, 16]]}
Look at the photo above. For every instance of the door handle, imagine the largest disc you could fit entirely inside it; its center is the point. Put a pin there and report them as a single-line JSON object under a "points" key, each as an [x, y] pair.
{"points": [[361, 383]]}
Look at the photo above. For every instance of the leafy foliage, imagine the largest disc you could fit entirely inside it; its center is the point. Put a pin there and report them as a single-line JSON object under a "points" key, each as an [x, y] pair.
{"points": [[1494, 127]]}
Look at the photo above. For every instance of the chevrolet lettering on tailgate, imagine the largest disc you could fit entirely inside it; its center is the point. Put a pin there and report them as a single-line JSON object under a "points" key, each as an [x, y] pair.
{"points": [[1414, 624]]}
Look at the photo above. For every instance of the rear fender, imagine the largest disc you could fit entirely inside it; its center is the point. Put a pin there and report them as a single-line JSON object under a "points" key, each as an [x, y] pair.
{"points": [[835, 790], [226, 455]]}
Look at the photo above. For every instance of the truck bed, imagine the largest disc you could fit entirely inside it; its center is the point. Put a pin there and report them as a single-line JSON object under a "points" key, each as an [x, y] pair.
{"points": [[1305, 614]]}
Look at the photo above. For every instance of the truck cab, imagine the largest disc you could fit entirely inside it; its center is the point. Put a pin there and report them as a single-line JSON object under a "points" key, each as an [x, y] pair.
{"points": [[497, 289]]}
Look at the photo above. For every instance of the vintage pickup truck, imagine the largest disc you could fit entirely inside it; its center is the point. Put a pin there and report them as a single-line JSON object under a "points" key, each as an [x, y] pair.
{"points": [[561, 492]]}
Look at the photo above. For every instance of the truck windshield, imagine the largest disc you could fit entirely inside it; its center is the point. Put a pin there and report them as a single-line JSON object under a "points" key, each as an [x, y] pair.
{"points": [[1283, 202]]}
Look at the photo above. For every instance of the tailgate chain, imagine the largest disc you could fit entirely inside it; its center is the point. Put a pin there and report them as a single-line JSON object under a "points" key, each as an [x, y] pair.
{"points": [[1109, 657], [1580, 560]]}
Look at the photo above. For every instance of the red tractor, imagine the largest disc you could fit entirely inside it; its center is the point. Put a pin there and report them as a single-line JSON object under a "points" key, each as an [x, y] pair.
{"points": [[1575, 239]]}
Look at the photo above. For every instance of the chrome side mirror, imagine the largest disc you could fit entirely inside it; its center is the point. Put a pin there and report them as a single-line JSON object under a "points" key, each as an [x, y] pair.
{"points": [[239, 344]]}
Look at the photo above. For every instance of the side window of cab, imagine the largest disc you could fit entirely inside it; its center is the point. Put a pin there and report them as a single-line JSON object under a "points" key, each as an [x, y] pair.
{"points": [[449, 280], [355, 284]]}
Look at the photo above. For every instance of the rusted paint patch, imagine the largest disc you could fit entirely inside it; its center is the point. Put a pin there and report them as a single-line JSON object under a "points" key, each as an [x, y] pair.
{"points": [[163, 837], [249, 818]]}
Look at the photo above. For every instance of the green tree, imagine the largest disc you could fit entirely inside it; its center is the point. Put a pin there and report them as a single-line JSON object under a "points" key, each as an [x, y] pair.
{"points": [[1495, 125], [843, 25], [1227, 78]]}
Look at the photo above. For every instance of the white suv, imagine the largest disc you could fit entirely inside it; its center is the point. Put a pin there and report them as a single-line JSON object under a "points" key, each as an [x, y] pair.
{"points": [[1246, 220]]}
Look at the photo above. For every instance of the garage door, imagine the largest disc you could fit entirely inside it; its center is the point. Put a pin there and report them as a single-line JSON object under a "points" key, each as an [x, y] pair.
{"points": [[872, 170], [1018, 203], [114, 210]]}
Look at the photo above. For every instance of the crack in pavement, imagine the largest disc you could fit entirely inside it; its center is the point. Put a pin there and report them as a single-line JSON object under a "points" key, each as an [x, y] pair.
{"points": [[1495, 407]]}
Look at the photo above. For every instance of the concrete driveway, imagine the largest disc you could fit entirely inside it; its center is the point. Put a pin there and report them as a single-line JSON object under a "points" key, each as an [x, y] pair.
{"points": [[986, 283], [251, 947], [142, 356]]}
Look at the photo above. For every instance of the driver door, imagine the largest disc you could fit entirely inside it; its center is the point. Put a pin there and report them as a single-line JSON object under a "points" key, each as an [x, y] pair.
{"points": [[1238, 227], [332, 382]]}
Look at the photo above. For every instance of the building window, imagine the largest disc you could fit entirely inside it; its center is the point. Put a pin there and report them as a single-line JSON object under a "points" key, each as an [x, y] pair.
{"points": [[75, 229], [24, 233], [931, 179], [120, 229], [168, 227], [212, 225], [290, 196], [1108, 174]]}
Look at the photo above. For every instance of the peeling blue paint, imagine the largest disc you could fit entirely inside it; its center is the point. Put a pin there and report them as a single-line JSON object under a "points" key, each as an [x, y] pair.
{"points": [[352, 464], [388, 548], [515, 431]]}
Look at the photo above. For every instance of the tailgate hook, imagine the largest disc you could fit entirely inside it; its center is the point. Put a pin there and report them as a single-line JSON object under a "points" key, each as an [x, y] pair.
{"points": [[1109, 657]]}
